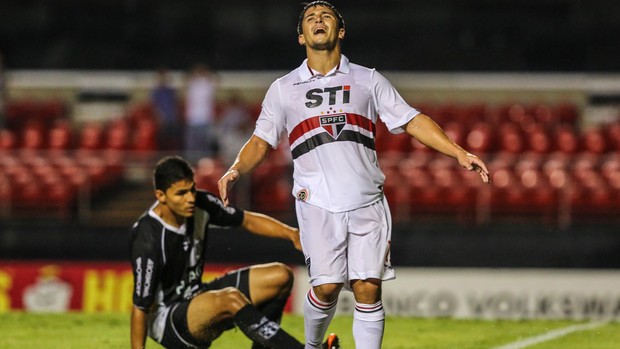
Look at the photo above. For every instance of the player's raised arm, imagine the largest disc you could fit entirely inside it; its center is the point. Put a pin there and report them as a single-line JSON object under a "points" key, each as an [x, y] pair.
{"points": [[264, 225], [250, 156], [425, 130]]}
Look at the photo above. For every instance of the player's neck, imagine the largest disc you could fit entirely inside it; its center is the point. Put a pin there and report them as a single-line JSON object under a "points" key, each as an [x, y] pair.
{"points": [[169, 216], [323, 61]]}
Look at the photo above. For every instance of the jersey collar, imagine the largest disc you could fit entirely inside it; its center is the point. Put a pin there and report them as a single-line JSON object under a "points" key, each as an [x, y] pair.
{"points": [[306, 73], [182, 230]]}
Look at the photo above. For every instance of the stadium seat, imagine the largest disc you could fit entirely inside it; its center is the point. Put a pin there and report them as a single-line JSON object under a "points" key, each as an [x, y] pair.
{"points": [[5, 198], [397, 192], [271, 187], [51, 110], [455, 131], [208, 172], [544, 114], [480, 139], [508, 196], [60, 196], [145, 136], [8, 140], [118, 135], [91, 137], [612, 132], [541, 195], [539, 141], [566, 139], [59, 137], [510, 138], [567, 113], [594, 141], [33, 137]]}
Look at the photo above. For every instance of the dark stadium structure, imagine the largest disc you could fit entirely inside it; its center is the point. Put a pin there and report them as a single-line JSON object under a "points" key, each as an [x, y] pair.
{"points": [[446, 35]]}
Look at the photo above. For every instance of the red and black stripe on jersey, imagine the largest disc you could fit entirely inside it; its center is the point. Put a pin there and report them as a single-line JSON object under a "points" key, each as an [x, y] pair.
{"points": [[325, 137]]}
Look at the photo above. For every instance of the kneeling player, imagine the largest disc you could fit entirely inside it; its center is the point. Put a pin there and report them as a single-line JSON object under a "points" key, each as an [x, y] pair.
{"points": [[168, 244]]}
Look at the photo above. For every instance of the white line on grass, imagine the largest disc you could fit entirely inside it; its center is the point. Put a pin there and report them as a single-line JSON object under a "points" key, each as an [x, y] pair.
{"points": [[550, 335]]}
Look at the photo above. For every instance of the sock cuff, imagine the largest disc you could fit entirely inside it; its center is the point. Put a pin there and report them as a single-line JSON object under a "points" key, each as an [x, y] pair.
{"points": [[317, 303], [369, 312], [248, 315]]}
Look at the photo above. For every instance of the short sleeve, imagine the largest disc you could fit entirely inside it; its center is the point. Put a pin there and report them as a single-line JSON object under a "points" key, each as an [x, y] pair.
{"points": [[220, 215], [392, 108], [145, 263], [271, 121]]}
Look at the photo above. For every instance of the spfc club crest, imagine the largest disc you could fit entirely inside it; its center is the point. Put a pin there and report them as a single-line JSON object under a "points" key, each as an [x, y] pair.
{"points": [[333, 124]]}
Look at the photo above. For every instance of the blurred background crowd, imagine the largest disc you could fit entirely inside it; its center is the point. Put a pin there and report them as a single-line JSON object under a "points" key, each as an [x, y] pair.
{"points": [[93, 93]]}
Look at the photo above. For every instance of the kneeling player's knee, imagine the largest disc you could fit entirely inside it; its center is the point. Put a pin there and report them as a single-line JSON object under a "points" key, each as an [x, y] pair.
{"points": [[231, 300], [283, 276]]}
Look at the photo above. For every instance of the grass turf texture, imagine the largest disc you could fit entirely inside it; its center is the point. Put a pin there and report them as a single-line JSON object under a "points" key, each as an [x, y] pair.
{"points": [[98, 331]]}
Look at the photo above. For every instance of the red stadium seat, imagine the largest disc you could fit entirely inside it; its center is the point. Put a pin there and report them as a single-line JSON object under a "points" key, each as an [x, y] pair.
{"points": [[567, 140], [52, 110], [539, 141], [544, 114], [117, 135], [567, 113], [455, 131], [145, 136], [33, 137], [59, 137], [508, 196], [397, 192], [480, 139], [5, 195], [8, 140], [612, 133], [594, 141], [207, 173], [542, 196], [91, 137], [510, 138]]}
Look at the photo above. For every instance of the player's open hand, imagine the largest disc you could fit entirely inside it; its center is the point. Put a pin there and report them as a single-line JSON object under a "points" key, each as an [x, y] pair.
{"points": [[473, 163], [226, 183]]}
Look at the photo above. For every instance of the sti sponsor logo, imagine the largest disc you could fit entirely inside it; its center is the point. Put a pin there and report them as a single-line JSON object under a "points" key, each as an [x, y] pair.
{"points": [[333, 124], [316, 96]]}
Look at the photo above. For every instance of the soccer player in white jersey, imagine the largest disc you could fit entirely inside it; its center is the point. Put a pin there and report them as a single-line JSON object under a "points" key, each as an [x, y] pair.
{"points": [[329, 108]]}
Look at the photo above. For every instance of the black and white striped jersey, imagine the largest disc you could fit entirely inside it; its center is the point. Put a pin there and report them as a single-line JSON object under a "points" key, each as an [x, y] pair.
{"points": [[167, 261]]}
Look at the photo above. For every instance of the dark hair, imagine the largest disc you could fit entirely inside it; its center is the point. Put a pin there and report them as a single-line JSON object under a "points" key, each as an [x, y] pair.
{"points": [[170, 170], [307, 5]]}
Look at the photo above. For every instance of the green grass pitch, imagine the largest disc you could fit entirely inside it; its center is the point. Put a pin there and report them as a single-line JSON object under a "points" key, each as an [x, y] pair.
{"points": [[98, 331]]}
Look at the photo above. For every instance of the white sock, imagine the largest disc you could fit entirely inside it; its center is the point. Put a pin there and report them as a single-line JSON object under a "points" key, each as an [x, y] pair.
{"points": [[317, 316], [368, 324]]}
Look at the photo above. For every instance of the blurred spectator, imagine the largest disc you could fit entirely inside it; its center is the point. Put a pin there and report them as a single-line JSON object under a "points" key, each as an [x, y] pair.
{"points": [[164, 99], [200, 138], [235, 127], [3, 93]]}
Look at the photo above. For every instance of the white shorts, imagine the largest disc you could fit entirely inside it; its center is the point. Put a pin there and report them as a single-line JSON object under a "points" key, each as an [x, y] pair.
{"points": [[343, 246]]}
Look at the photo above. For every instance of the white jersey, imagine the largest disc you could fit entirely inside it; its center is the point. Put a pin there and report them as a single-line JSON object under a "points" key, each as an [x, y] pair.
{"points": [[330, 121]]}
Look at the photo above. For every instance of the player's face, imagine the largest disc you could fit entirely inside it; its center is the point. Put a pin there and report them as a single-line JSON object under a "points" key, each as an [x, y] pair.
{"points": [[180, 198], [320, 29]]}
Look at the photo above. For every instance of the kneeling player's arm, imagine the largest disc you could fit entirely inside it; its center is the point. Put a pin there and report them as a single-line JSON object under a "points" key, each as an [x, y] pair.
{"points": [[264, 225], [138, 328]]}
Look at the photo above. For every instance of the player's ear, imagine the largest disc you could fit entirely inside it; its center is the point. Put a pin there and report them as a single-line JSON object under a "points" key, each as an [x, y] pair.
{"points": [[341, 34], [301, 39], [160, 195]]}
